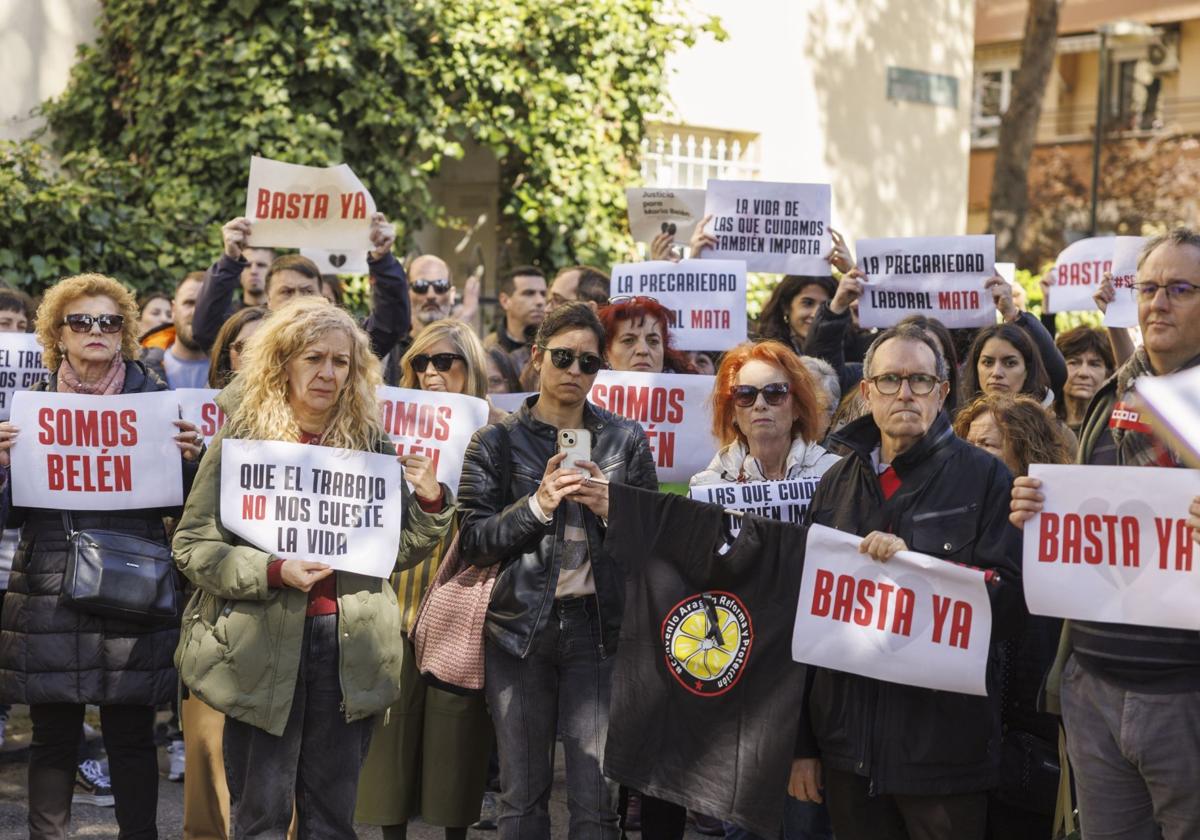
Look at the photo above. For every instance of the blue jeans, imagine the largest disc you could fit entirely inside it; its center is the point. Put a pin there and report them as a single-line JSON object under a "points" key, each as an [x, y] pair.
{"points": [[801, 821], [561, 687]]}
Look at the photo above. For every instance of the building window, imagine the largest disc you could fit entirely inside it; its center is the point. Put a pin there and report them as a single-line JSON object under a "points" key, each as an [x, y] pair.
{"points": [[687, 157], [993, 90], [1135, 99]]}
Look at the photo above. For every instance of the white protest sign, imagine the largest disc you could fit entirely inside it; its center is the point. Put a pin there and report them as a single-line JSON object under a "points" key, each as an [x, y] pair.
{"points": [[84, 452], [303, 502], [509, 402], [338, 262], [1112, 545], [20, 367], [293, 206], [914, 620], [674, 411], [654, 211], [1174, 405], [199, 406], [706, 298], [1008, 271], [785, 500], [434, 424], [773, 227], [938, 276], [1122, 311], [1078, 271]]}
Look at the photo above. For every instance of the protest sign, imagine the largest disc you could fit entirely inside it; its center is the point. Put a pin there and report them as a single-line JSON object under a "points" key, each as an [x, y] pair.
{"points": [[1008, 271], [780, 228], [1078, 271], [84, 452], [654, 211], [509, 402], [434, 424], [1112, 544], [301, 502], [1173, 405], [938, 276], [338, 262], [1122, 311], [706, 298], [914, 620], [199, 406], [20, 367], [785, 500], [673, 409], [294, 206]]}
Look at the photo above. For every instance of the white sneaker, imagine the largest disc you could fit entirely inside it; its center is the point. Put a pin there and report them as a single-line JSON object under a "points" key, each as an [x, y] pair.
{"points": [[175, 759], [92, 786]]}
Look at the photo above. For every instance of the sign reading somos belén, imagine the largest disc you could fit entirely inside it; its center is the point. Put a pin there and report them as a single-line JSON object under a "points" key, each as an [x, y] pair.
{"points": [[706, 298], [294, 206], [938, 276], [20, 367], [1112, 544], [434, 424], [85, 452], [774, 227], [302, 502]]}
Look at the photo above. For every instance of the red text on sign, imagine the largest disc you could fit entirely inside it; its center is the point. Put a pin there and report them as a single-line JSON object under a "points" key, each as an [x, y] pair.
{"points": [[1081, 273], [1174, 531], [79, 427], [1092, 539], [90, 473], [401, 419], [959, 612], [640, 402], [958, 300], [863, 602]]}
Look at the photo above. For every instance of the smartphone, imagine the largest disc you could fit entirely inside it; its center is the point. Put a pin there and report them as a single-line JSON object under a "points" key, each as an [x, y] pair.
{"points": [[577, 443]]}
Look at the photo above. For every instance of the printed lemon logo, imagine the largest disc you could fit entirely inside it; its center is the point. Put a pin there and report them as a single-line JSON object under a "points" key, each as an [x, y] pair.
{"points": [[707, 639]]}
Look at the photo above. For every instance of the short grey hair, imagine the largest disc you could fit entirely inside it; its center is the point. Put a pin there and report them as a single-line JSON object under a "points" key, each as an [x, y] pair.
{"points": [[1176, 236], [824, 375], [906, 332]]}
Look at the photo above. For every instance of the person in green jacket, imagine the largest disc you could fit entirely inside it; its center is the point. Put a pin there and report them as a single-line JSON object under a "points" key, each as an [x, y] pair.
{"points": [[297, 656]]}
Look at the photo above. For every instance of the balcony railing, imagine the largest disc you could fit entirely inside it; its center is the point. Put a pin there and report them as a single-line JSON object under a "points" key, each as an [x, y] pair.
{"points": [[1175, 115]]}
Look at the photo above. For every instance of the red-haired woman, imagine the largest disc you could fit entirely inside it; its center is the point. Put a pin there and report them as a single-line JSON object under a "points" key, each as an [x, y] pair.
{"points": [[639, 337]]}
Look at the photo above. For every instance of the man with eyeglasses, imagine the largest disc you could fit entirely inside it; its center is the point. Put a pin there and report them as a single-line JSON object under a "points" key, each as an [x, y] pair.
{"points": [[1130, 696], [892, 760]]}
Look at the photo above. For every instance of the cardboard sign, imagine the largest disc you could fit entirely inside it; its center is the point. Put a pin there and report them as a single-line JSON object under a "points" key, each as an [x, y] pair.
{"points": [[84, 452], [706, 298], [434, 424], [1123, 311], [509, 402], [674, 411], [199, 406], [914, 620], [1173, 405], [294, 206], [20, 367], [654, 211], [338, 262], [1112, 545], [786, 500], [301, 502], [938, 276], [780, 228]]}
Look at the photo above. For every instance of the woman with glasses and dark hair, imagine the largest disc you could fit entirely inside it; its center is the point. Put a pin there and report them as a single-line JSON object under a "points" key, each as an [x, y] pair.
{"points": [[502, 375]]}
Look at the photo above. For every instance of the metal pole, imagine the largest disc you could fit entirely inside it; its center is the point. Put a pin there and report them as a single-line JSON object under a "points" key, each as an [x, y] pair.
{"points": [[1101, 118]]}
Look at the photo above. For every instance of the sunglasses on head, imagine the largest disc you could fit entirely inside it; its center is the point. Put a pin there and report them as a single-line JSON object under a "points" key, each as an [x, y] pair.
{"points": [[745, 396], [442, 362], [423, 286], [619, 299], [562, 358], [83, 323]]}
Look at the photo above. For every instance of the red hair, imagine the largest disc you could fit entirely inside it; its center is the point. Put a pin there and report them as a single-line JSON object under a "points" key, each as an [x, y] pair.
{"points": [[638, 309], [807, 401]]}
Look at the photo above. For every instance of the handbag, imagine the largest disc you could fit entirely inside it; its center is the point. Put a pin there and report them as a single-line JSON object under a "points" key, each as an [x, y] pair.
{"points": [[447, 633], [118, 575]]}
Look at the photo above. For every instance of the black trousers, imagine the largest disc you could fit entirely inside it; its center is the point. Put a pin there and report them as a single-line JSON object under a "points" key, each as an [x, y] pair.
{"points": [[132, 765], [860, 816]]}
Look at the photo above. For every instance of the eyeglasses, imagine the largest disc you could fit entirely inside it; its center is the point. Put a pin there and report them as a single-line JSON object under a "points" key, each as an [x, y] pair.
{"points": [[563, 358], [442, 362], [631, 299], [83, 323], [1176, 291], [745, 396], [921, 384], [422, 287]]}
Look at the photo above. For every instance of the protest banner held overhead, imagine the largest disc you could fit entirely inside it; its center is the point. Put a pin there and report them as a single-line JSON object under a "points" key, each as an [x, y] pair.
{"points": [[706, 298], [301, 502], [914, 620], [85, 452], [939, 276], [199, 406], [435, 424], [1112, 545], [773, 227], [293, 206], [1080, 269], [20, 367], [1122, 311], [654, 211]]}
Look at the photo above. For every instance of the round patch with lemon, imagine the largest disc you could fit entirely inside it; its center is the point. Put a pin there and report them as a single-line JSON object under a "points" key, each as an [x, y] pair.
{"points": [[707, 639]]}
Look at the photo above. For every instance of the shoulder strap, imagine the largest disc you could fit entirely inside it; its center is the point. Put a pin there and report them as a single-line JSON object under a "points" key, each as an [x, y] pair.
{"points": [[505, 464], [68, 524]]}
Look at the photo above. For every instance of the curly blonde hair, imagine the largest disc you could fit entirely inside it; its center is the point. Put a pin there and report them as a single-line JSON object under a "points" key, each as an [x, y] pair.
{"points": [[464, 340], [50, 314], [264, 412]]}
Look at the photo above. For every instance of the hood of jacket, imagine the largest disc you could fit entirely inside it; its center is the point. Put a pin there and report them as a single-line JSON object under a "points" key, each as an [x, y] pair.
{"points": [[735, 463]]}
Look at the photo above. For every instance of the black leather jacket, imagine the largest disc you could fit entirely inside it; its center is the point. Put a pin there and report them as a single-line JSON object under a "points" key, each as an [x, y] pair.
{"points": [[493, 531]]}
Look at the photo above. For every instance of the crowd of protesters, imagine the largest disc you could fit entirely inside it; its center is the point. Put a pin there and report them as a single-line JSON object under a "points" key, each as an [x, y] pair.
{"points": [[313, 716]]}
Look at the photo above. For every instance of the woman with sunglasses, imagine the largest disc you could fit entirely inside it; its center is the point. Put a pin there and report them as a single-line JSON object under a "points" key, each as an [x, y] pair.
{"points": [[56, 658], [556, 608], [429, 754]]}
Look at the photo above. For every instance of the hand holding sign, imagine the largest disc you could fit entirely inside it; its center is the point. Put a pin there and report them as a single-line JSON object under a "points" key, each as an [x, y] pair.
{"points": [[235, 234], [839, 255], [701, 238], [382, 234], [1106, 293], [303, 574], [1193, 520], [8, 436], [421, 473], [1002, 294], [189, 440], [1027, 500], [881, 546], [849, 290]]}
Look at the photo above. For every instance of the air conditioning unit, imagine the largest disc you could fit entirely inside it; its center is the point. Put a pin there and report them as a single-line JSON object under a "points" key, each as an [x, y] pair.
{"points": [[1163, 53]]}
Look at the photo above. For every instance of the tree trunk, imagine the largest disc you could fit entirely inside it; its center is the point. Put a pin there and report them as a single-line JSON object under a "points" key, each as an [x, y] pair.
{"points": [[1018, 130]]}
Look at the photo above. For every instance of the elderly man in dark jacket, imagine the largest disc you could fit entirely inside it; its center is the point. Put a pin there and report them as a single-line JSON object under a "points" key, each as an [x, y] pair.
{"points": [[900, 761]]}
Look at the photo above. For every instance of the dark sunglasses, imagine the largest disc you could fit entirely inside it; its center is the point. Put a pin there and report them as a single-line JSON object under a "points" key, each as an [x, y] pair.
{"points": [[442, 362], [745, 396], [562, 358], [423, 286], [83, 323]]}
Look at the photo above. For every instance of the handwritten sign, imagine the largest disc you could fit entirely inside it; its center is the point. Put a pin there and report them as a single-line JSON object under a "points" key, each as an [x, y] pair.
{"points": [[786, 500], [20, 367], [914, 620], [434, 424], [1123, 311], [938, 276], [774, 227], [654, 211], [84, 452], [706, 298], [301, 502], [338, 262], [199, 406], [294, 206], [1112, 544]]}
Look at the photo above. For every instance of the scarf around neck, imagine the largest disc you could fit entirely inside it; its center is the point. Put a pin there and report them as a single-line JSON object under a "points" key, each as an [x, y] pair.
{"points": [[111, 383]]}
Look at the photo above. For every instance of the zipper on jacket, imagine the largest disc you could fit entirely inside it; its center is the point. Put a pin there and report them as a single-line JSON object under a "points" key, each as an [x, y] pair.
{"points": [[341, 655], [558, 531], [936, 514]]}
